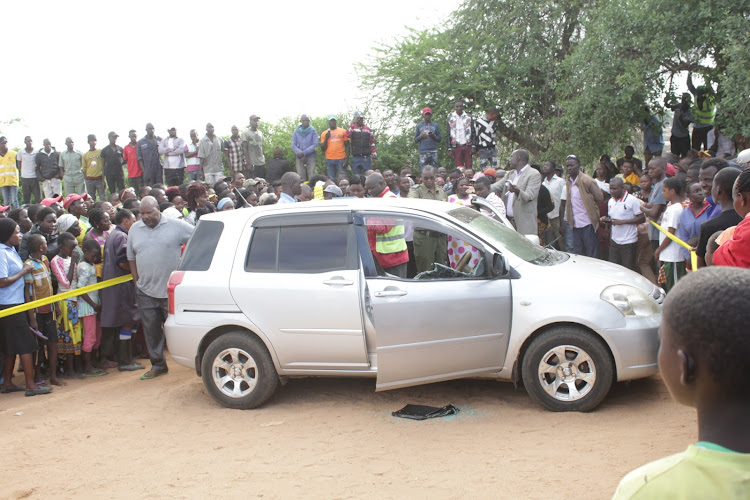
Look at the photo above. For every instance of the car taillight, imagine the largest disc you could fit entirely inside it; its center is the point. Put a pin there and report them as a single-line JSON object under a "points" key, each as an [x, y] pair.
{"points": [[174, 279]]}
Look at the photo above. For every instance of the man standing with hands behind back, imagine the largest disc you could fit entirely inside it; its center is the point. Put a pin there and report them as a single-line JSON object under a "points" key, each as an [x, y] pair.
{"points": [[335, 145], [427, 136], [148, 157], [252, 146]]}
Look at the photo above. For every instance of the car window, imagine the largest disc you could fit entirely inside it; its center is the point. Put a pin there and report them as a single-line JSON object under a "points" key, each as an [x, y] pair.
{"points": [[504, 237], [199, 252], [299, 249], [416, 248]]}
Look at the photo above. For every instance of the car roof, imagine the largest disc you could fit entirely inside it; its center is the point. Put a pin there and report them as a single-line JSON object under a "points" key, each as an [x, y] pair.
{"points": [[343, 204]]}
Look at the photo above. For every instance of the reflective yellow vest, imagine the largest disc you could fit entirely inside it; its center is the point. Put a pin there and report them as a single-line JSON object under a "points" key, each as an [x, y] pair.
{"points": [[704, 117], [391, 242]]}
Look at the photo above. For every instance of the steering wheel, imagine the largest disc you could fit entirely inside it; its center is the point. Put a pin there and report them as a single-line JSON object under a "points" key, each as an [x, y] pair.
{"points": [[462, 263]]}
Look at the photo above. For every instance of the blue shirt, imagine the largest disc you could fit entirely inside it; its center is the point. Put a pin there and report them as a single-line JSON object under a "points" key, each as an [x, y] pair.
{"points": [[285, 198], [714, 209], [652, 134], [10, 264], [427, 145], [690, 226]]}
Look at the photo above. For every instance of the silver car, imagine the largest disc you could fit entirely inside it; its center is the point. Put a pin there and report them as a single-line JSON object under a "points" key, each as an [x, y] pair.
{"points": [[292, 290]]}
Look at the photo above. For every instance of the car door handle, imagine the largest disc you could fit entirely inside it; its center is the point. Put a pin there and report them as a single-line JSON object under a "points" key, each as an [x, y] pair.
{"points": [[391, 293], [338, 282]]}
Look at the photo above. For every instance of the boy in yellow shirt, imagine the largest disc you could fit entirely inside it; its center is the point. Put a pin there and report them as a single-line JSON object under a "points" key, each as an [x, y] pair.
{"points": [[703, 360]]}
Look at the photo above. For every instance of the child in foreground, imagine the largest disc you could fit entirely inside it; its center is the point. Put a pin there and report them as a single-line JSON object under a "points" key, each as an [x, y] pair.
{"points": [[703, 361]]}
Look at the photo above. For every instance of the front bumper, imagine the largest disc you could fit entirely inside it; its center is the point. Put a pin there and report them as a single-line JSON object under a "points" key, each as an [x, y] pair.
{"points": [[635, 347]]}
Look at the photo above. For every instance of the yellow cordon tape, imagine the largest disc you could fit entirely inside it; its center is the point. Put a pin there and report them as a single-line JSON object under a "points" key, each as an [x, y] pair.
{"points": [[693, 255], [64, 295]]}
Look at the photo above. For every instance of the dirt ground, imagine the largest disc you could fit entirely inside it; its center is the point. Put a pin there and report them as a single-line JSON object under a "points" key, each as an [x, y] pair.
{"points": [[120, 437]]}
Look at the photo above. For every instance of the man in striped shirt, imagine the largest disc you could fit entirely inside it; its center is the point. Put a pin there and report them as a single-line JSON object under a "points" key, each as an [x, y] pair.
{"points": [[484, 139]]}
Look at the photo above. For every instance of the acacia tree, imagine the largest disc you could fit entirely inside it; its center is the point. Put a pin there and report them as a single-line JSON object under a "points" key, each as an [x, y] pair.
{"points": [[566, 76]]}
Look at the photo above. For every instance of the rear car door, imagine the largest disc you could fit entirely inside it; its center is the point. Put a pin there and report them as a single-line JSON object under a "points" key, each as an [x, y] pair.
{"points": [[298, 282], [440, 324]]}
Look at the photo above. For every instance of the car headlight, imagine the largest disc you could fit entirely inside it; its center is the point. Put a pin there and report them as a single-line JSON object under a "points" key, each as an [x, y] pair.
{"points": [[630, 301]]}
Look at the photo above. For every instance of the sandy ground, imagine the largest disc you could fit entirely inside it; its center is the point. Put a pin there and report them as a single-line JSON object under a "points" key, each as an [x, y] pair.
{"points": [[120, 437]]}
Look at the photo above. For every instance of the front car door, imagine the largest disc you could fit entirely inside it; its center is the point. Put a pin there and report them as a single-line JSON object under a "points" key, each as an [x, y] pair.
{"points": [[439, 324]]}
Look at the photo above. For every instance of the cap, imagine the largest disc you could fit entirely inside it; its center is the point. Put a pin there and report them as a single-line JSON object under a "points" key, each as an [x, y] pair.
{"points": [[74, 197], [171, 129], [670, 170], [490, 172], [478, 175], [332, 117], [49, 201], [357, 114], [254, 117], [112, 134], [172, 213], [333, 189], [249, 182], [4, 208], [743, 157], [3, 139], [426, 110], [91, 137]]}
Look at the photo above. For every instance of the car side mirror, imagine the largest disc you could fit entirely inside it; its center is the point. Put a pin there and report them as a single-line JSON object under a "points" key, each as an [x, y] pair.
{"points": [[499, 265]]}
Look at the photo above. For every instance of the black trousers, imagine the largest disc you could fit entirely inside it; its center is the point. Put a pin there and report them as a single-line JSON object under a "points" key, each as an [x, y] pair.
{"points": [[174, 176], [700, 138], [115, 182], [622, 254], [29, 187]]}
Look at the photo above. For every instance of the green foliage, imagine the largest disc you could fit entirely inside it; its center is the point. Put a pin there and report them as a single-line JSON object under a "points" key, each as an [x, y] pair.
{"points": [[567, 76]]}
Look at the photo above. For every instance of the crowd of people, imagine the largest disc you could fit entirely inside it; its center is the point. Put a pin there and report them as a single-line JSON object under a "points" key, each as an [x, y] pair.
{"points": [[647, 216]]}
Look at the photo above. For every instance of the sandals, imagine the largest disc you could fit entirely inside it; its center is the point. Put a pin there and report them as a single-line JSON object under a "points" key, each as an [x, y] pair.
{"points": [[38, 391], [15, 388], [96, 372], [153, 374]]}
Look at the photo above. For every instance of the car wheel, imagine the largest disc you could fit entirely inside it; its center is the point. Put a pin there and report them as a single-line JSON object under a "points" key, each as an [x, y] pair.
{"points": [[238, 371], [567, 369]]}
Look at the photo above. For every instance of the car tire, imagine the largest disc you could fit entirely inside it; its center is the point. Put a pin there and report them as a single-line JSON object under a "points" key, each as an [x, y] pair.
{"points": [[580, 382], [238, 371]]}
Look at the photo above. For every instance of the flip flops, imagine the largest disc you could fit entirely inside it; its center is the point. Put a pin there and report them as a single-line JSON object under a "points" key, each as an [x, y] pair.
{"points": [[152, 374], [15, 388], [38, 391], [95, 373]]}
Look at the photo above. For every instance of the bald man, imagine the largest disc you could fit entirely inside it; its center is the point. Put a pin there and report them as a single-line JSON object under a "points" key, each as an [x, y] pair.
{"points": [[154, 249]]}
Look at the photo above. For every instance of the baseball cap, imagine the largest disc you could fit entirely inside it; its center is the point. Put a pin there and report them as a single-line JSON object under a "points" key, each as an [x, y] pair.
{"points": [[670, 170], [254, 117], [332, 117], [4, 208], [333, 189], [249, 182], [112, 134], [74, 197], [426, 110], [743, 157], [170, 129], [490, 172], [50, 201], [478, 175], [357, 114], [3, 139]]}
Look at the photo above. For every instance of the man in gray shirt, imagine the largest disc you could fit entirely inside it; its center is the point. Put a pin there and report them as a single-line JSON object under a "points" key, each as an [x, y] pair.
{"points": [[154, 249], [209, 153]]}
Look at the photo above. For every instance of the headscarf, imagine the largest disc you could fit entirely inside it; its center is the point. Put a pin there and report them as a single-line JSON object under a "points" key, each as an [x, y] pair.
{"points": [[7, 228], [65, 222]]}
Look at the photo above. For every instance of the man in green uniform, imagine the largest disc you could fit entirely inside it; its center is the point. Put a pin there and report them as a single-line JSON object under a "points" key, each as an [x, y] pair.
{"points": [[429, 246]]}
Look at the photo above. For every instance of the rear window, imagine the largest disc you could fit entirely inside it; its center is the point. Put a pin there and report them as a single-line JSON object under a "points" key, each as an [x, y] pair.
{"points": [[299, 249], [202, 245]]}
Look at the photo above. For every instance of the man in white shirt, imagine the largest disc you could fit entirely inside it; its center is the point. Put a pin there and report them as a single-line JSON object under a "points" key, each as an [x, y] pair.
{"points": [[556, 186], [173, 148], [624, 215], [26, 159]]}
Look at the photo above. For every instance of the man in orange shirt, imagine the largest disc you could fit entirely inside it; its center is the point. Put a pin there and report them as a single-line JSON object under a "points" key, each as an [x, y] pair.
{"points": [[335, 145]]}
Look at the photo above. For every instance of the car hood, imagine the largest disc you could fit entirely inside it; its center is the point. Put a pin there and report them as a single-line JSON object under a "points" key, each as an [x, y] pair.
{"points": [[603, 272]]}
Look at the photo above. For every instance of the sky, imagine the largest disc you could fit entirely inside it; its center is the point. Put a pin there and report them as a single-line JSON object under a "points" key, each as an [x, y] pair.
{"points": [[83, 67]]}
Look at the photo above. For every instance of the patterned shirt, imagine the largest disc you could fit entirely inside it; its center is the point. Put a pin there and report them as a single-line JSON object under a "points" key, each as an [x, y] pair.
{"points": [[460, 131], [484, 133], [86, 275], [233, 149], [40, 281]]}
